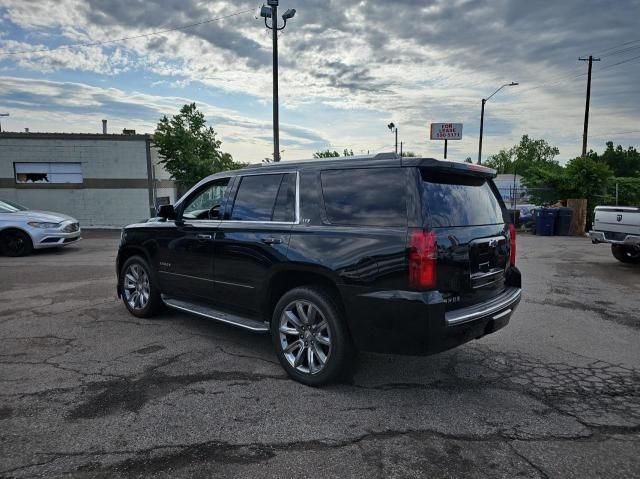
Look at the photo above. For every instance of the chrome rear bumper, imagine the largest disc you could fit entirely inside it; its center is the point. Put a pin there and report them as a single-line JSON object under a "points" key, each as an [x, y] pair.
{"points": [[502, 305], [599, 237]]}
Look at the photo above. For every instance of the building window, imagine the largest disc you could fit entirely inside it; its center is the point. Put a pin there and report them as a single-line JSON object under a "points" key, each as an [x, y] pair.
{"points": [[43, 173]]}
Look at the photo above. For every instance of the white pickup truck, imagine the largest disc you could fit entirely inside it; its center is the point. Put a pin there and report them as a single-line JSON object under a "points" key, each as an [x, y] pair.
{"points": [[620, 226]]}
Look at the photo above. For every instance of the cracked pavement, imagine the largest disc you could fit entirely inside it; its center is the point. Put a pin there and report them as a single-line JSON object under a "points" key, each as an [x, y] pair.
{"points": [[87, 390]]}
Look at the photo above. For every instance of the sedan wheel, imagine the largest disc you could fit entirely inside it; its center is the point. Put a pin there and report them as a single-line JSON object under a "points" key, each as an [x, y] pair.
{"points": [[15, 243]]}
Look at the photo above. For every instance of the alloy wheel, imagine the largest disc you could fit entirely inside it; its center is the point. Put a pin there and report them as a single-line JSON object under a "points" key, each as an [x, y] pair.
{"points": [[136, 286], [305, 337]]}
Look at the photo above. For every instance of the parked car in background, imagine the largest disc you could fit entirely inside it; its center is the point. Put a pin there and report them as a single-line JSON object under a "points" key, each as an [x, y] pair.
{"points": [[526, 215], [23, 230], [383, 254], [619, 226]]}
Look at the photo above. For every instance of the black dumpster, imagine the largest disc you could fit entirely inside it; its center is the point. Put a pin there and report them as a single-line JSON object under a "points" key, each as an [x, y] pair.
{"points": [[563, 221]]}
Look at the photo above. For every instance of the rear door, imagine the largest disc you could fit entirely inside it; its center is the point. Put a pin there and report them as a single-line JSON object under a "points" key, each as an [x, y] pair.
{"points": [[465, 212], [253, 237]]}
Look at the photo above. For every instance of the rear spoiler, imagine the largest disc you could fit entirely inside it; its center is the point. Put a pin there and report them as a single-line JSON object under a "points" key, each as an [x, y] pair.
{"points": [[450, 166]]}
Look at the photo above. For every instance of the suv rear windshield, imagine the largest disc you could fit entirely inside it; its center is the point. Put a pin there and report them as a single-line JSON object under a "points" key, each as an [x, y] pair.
{"points": [[459, 200]]}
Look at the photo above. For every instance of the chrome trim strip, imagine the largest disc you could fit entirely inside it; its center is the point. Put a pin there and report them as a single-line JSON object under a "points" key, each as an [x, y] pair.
{"points": [[504, 313], [255, 329], [185, 276], [471, 313], [234, 284], [207, 223], [207, 280]]}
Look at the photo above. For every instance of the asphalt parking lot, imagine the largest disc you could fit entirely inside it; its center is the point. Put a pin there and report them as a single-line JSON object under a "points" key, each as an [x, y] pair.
{"points": [[89, 391]]}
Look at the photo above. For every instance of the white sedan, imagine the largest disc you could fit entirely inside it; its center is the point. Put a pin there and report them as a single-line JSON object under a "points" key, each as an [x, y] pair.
{"points": [[23, 230]]}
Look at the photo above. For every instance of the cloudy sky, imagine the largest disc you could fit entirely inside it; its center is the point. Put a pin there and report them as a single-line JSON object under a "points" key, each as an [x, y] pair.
{"points": [[347, 68]]}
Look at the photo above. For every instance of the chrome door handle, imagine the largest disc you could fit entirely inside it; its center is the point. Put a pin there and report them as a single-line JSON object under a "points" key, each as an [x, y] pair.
{"points": [[272, 240], [203, 237]]}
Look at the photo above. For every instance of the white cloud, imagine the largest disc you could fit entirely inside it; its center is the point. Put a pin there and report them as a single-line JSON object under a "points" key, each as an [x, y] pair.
{"points": [[363, 64]]}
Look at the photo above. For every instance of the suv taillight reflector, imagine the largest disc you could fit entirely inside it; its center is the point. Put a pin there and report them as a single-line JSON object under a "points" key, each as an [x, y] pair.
{"points": [[512, 234], [423, 258]]}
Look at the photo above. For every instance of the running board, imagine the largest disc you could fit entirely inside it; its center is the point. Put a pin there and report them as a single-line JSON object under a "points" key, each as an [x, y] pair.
{"points": [[217, 315]]}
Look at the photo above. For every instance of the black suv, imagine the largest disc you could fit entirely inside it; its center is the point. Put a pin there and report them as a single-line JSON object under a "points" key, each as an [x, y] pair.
{"points": [[383, 254]]}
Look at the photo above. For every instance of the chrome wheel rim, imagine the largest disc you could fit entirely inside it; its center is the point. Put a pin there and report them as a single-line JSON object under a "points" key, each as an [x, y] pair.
{"points": [[136, 286], [305, 337]]}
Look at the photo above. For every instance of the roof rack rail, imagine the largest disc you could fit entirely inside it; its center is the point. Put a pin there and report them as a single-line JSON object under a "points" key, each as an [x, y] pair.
{"points": [[378, 156]]}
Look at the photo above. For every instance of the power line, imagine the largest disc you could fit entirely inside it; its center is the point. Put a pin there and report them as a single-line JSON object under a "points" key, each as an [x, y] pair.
{"points": [[602, 52], [620, 62], [622, 51], [102, 42]]}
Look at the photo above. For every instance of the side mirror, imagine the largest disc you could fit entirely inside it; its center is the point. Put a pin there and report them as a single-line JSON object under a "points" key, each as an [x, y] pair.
{"points": [[167, 212], [214, 212]]}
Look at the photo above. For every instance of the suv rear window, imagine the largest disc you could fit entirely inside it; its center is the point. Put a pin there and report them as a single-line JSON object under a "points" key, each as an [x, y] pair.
{"points": [[365, 196], [459, 200]]}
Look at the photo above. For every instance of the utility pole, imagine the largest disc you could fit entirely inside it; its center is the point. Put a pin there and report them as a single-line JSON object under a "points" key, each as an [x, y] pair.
{"points": [[393, 127], [400, 149], [446, 142], [396, 141], [271, 11], [586, 109], [485, 100], [481, 128], [276, 112]]}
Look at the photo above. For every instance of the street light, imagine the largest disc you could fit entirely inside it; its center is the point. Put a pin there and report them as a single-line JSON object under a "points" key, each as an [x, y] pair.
{"points": [[393, 127], [484, 100], [271, 11], [3, 114]]}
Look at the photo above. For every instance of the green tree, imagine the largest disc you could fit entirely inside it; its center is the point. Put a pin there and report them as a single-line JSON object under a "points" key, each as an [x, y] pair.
{"points": [[409, 154], [189, 149], [326, 154], [468, 160], [525, 155], [623, 163], [332, 154]]}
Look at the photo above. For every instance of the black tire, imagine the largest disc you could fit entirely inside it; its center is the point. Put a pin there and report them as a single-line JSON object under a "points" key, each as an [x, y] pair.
{"points": [[153, 303], [337, 357], [15, 243], [625, 254]]}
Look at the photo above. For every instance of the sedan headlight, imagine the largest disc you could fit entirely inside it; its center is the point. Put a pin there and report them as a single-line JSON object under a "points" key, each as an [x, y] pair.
{"points": [[38, 224]]}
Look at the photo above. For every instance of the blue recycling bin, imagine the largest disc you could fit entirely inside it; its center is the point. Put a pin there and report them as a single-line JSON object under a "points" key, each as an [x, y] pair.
{"points": [[545, 221]]}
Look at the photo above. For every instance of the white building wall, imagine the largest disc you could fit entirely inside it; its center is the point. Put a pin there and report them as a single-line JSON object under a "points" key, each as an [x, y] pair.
{"points": [[92, 207], [103, 160]]}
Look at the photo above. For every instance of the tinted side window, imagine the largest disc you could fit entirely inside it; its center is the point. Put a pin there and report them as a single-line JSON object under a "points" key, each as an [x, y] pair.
{"points": [[285, 209], [256, 198], [365, 196], [212, 195], [458, 200]]}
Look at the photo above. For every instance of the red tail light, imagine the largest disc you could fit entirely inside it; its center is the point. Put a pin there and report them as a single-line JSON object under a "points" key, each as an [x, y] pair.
{"points": [[423, 259], [512, 234]]}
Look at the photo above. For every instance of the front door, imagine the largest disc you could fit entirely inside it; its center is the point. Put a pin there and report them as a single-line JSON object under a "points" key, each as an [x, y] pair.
{"points": [[253, 238], [186, 261]]}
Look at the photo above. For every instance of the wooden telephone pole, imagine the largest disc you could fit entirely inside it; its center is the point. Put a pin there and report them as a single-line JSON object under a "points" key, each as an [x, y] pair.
{"points": [[586, 110]]}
